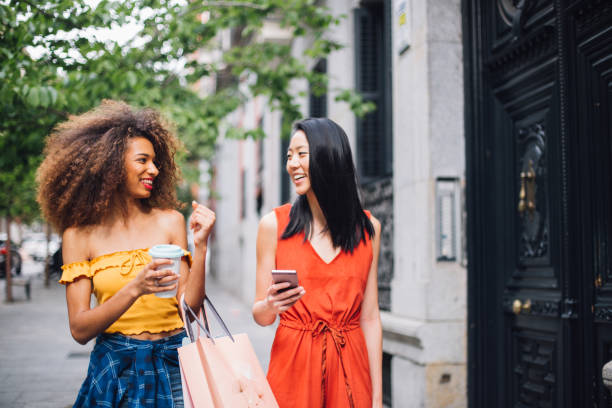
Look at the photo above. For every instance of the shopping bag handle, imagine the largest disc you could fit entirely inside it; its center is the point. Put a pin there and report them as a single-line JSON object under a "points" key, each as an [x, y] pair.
{"points": [[204, 324], [217, 316]]}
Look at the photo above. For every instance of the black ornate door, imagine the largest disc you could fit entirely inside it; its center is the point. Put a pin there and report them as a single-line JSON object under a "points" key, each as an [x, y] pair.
{"points": [[538, 132]]}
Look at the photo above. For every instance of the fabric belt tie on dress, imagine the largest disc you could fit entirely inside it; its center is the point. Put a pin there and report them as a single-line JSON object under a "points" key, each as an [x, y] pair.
{"points": [[320, 328]]}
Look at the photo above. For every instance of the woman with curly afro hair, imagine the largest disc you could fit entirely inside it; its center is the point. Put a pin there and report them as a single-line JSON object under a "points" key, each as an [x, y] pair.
{"points": [[107, 183]]}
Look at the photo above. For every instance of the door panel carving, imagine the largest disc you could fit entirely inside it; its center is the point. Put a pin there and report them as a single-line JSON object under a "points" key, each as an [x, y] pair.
{"points": [[513, 20], [533, 198], [534, 365], [525, 107], [538, 307]]}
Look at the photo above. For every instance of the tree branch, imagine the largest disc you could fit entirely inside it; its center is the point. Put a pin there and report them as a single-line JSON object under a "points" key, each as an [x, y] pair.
{"points": [[234, 3], [61, 114], [167, 81], [66, 21]]}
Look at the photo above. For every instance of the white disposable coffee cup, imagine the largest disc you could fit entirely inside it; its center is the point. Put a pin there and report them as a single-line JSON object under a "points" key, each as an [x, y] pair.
{"points": [[173, 253]]}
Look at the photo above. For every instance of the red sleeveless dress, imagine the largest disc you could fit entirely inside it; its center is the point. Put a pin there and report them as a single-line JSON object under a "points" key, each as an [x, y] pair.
{"points": [[319, 356]]}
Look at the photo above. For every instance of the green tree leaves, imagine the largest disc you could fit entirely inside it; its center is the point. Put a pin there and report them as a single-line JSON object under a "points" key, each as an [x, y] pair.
{"points": [[40, 96], [62, 57]]}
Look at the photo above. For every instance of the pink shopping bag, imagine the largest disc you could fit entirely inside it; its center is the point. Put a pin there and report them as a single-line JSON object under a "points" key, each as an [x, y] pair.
{"points": [[196, 392], [222, 372], [235, 376]]}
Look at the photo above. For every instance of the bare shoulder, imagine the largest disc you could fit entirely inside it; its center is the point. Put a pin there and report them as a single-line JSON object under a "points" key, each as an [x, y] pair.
{"points": [[375, 224], [171, 224], [267, 234], [168, 218], [75, 245], [267, 224]]}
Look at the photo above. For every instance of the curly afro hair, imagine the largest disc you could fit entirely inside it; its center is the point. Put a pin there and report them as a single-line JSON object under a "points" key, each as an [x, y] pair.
{"points": [[81, 179]]}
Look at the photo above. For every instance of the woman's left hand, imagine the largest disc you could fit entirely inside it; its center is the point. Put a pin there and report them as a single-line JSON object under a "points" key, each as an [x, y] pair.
{"points": [[201, 222]]}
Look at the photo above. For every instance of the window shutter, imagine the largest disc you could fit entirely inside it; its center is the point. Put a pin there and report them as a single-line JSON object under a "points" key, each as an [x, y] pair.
{"points": [[285, 192], [318, 104], [373, 130]]}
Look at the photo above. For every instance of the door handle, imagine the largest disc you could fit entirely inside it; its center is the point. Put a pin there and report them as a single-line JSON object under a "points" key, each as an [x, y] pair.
{"points": [[528, 189], [518, 306]]}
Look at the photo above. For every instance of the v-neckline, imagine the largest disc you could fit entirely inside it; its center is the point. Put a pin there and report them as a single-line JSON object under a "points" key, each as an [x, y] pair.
{"points": [[320, 257]]}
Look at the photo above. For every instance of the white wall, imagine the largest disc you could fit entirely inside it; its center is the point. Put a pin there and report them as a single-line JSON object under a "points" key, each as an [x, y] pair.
{"points": [[340, 68], [236, 228]]}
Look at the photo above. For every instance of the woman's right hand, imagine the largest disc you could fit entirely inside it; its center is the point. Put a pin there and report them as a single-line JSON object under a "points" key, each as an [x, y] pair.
{"points": [[149, 280], [281, 302]]}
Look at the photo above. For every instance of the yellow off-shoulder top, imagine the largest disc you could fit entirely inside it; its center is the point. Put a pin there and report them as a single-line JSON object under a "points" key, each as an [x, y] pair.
{"points": [[111, 272]]}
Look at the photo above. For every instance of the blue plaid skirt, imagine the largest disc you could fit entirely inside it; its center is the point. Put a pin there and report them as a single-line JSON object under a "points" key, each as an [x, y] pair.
{"points": [[125, 372]]}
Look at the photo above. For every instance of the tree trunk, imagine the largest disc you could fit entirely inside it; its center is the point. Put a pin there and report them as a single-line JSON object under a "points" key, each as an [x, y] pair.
{"points": [[7, 261]]}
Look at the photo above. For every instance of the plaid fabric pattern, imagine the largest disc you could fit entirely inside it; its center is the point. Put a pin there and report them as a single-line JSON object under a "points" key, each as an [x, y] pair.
{"points": [[123, 369]]}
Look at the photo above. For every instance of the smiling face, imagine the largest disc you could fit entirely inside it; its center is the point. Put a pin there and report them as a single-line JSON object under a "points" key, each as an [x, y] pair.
{"points": [[140, 167], [298, 157]]}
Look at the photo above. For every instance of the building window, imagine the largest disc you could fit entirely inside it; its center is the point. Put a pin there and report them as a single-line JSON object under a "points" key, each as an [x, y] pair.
{"points": [[318, 97], [373, 75], [259, 159], [285, 192], [243, 204], [373, 68], [259, 180], [386, 374]]}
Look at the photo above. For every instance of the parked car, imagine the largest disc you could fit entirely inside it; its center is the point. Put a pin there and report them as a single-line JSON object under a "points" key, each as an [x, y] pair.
{"points": [[15, 259], [35, 245], [55, 264]]}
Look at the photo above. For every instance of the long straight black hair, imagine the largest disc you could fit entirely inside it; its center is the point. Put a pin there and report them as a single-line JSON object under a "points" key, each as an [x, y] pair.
{"points": [[333, 181]]}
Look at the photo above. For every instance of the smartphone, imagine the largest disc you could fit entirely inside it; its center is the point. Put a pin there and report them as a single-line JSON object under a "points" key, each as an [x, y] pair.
{"points": [[285, 275]]}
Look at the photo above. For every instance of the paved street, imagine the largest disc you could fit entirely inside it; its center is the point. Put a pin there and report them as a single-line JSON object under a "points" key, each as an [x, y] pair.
{"points": [[42, 366]]}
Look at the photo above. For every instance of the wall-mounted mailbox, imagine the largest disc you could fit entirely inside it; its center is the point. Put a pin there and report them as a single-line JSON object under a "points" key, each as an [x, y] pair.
{"points": [[447, 217]]}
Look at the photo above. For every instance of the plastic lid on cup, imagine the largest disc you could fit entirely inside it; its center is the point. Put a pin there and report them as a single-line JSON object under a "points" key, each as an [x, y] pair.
{"points": [[166, 251]]}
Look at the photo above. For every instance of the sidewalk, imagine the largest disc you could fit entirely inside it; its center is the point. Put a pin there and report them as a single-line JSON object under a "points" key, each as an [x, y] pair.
{"points": [[42, 366]]}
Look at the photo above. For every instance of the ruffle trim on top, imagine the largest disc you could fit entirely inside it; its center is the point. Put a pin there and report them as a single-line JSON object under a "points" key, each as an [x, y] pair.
{"points": [[126, 261], [75, 270]]}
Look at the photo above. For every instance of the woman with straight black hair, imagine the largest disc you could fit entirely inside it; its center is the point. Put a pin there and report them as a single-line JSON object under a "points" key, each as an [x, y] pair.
{"points": [[328, 346]]}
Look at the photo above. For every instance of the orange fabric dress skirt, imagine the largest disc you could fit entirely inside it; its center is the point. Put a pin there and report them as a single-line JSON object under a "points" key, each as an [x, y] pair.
{"points": [[319, 356]]}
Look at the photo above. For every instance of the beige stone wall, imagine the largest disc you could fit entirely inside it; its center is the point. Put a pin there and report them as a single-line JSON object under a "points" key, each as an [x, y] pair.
{"points": [[445, 385]]}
